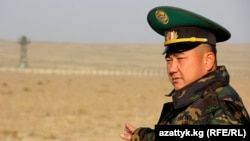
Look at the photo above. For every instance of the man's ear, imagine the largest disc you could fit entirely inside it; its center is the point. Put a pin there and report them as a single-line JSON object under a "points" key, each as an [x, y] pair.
{"points": [[209, 61]]}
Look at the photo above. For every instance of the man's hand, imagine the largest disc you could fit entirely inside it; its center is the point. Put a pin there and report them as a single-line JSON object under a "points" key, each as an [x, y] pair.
{"points": [[129, 130]]}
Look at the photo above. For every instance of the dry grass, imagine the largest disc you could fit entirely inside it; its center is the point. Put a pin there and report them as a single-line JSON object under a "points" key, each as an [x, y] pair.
{"points": [[37, 107]]}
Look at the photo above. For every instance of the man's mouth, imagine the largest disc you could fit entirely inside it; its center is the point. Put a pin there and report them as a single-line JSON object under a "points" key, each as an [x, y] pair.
{"points": [[175, 79]]}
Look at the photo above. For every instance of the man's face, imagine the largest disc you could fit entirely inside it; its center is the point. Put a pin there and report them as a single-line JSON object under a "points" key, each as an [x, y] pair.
{"points": [[185, 67]]}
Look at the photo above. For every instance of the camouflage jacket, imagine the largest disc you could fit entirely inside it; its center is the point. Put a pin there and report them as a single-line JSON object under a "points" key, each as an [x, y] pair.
{"points": [[207, 101]]}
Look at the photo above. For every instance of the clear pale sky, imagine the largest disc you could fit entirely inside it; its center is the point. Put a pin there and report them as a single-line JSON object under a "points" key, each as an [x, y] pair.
{"points": [[110, 21]]}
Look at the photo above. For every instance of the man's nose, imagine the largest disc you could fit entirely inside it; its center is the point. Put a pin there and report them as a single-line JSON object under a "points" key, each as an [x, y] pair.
{"points": [[172, 67]]}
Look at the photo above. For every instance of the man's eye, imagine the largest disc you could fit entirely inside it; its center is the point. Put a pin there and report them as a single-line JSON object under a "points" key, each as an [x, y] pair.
{"points": [[180, 58], [168, 60]]}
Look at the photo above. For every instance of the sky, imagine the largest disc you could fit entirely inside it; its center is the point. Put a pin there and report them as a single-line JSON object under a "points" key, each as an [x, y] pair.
{"points": [[110, 21]]}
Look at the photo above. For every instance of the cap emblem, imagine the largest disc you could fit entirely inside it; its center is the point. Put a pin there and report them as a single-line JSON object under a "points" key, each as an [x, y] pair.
{"points": [[171, 36], [161, 16]]}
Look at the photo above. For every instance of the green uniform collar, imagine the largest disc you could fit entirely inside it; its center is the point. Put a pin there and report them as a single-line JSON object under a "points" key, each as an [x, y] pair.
{"points": [[195, 90]]}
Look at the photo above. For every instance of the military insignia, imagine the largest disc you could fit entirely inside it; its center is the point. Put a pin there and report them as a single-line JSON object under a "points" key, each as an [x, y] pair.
{"points": [[171, 36], [161, 16]]}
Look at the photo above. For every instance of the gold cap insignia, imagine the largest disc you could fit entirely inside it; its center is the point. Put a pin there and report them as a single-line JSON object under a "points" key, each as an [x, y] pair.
{"points": [[171, 36], [161, 16]]}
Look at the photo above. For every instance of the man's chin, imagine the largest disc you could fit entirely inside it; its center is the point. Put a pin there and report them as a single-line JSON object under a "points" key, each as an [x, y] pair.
{"points": [[178, 86]]}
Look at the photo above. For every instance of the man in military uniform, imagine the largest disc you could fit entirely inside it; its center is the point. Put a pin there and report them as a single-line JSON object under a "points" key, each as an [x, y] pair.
{"points": [[202, 94]]}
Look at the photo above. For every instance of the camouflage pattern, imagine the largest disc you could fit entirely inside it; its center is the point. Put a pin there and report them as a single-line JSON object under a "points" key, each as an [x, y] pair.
{"points": [[207, 101]]}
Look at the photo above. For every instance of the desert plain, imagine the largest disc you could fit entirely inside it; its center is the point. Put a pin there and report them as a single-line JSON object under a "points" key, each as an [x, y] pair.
{"points": [[86, 92]]}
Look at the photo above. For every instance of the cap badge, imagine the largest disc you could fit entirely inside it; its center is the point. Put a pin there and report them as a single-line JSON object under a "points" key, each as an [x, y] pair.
{"points": [[171, 36], [161, 16]]}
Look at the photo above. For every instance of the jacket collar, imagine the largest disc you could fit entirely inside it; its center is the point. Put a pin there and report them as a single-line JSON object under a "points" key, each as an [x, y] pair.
{"points": [[195, 90]]}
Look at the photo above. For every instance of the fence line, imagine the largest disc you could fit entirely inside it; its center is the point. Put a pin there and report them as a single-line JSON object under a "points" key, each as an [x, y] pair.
{"points": [[109, 72], [101, 72]]}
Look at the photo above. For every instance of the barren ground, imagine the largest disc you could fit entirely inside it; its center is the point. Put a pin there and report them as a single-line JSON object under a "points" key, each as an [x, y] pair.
{"points": [[91, 107]]}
